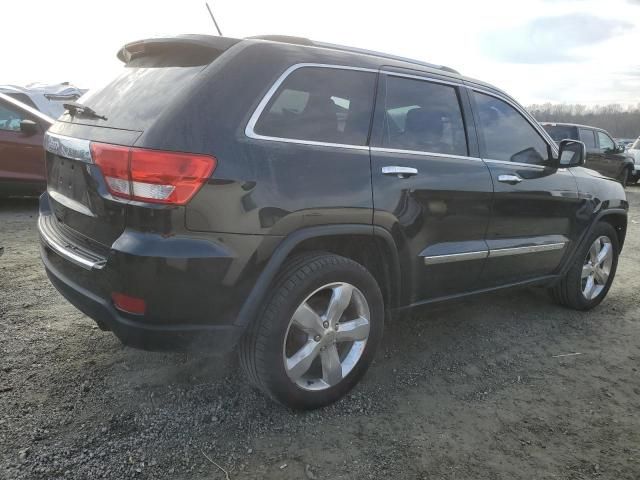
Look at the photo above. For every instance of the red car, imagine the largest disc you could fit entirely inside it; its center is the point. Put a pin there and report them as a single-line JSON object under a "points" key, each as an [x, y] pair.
{"points": [[22, 167]]}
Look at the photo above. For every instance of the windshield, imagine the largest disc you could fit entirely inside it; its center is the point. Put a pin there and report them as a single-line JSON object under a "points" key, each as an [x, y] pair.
{"points": [[560, 132], [636, 144]]}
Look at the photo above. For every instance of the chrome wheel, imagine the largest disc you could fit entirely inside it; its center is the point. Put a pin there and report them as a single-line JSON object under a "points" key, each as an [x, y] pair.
{"points": [[597, 267], [326, 336]]}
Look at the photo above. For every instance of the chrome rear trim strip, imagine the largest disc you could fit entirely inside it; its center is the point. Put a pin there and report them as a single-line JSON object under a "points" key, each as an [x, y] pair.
{"points": [[66, 252], [68, 147]]}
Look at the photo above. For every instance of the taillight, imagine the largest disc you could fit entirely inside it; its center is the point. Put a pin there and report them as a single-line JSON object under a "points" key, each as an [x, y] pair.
{"points": [[155, 176]]}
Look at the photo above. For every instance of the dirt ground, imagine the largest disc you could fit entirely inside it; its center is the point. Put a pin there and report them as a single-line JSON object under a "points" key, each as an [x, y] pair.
{"points": [[479, 389]]}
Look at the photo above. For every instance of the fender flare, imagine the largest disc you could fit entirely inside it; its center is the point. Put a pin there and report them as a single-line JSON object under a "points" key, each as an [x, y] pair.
{"points": [[259, 291], [579, 244]]}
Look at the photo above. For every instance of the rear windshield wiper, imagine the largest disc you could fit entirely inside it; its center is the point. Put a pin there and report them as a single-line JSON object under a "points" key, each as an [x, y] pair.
{"points": [[75, 108]]}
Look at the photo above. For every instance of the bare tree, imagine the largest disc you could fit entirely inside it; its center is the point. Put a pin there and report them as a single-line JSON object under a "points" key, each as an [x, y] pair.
{"points": [[618, 120]]}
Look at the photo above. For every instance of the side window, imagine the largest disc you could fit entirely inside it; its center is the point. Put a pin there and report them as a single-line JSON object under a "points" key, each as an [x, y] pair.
{"points": [[507, 134], [423, 116], [586, 137], [10, 118], [605, 142], [322, 105]]}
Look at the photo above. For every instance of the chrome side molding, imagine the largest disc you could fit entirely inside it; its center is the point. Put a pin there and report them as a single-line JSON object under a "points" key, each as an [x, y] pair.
{"points": [[498, 252]]}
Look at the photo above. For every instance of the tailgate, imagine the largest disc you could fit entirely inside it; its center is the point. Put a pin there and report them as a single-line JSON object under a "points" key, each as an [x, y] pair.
{"points": [[77, 191]]}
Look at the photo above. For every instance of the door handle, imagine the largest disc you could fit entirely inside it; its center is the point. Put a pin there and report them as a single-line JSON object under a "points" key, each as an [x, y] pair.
{"points": [[509, 178], [400, 172]]}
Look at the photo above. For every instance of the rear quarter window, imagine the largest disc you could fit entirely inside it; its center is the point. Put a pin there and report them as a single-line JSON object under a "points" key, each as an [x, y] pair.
{"points": [[320, 104]]}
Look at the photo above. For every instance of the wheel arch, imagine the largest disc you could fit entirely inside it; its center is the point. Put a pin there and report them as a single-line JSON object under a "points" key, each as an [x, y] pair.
{"points": [[371, 246]]}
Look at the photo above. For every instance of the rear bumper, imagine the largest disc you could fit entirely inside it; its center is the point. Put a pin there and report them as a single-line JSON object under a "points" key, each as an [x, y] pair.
{"points": [[193, 284], [217, 339]]}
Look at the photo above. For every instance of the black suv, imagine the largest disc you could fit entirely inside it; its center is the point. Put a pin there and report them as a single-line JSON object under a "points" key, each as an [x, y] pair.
{"points": [[285, 196], [603, 154]]}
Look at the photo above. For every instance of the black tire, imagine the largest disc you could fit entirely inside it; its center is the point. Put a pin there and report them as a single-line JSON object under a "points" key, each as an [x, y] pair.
{"points": [[261, 350], [568, 292], [624, 177]]}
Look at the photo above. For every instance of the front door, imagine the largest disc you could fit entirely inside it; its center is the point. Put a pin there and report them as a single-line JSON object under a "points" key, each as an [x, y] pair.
{"points": [[534, 205], [430, 189]]}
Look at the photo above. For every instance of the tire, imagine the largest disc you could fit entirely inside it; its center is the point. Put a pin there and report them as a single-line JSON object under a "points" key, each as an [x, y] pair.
{"points": [[275, 339], [624, 177], [570, 290]]}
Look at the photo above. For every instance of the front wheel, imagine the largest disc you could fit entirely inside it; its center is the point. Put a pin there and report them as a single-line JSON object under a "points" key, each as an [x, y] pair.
{"points": [[318, 331], [589, 278]]}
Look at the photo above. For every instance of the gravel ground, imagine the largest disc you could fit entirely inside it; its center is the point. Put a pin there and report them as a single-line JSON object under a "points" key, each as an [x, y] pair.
{"points": [[478, 389]]}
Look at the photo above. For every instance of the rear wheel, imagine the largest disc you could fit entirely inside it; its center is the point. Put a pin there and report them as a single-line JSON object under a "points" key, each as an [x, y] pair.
{"points": [[588, 280], [318, 331]]}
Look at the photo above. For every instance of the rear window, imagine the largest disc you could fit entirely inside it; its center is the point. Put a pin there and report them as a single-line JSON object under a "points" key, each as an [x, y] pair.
{"points": [[134, 99], [560, 132], [319, 104]]}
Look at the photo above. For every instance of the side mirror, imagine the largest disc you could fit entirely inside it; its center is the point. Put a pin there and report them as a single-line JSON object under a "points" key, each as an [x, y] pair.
{"points": [[28, 127], [572, 153]]}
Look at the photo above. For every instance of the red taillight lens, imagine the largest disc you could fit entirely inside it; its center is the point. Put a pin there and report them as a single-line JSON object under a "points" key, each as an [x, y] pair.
{"points": [[129, 304], [152, 175]]}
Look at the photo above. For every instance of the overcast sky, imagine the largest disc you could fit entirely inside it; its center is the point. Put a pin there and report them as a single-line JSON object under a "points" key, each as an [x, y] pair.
{"points": [[572, 51]]}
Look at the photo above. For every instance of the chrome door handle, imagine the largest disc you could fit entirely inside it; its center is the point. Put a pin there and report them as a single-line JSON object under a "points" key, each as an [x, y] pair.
{"points": [[400, 172], [509, 178]]}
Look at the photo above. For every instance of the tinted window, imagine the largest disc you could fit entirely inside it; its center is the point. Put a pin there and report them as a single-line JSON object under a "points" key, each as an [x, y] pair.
{"points": [[322, 105], [605, 142], [423, 116], [560, 132], [507, 134], [586, 136], [10, 118]]}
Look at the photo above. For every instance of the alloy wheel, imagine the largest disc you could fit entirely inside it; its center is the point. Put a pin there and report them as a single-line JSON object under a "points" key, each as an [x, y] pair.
{"points": [[597, 267], [326, 336]]}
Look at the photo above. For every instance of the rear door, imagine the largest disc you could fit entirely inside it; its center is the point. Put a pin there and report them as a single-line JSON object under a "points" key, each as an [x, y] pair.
{"points": [[430, 189], [534, 205]]}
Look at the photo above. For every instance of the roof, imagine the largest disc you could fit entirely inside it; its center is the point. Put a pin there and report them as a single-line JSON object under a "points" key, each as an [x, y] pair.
{"points": [[129, 50], [563, 124]]}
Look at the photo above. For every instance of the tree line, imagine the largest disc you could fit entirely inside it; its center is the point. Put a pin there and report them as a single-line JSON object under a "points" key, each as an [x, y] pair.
{"points": [[620, 121]]}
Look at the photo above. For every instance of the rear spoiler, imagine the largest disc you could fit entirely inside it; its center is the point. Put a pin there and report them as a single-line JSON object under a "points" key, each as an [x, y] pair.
{"points": [[200, 43]]}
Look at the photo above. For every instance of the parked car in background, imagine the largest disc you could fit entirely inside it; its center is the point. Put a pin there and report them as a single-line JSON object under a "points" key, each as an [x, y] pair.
{"points": [[603, 154], [624, 142], [634, 151], [22, 162], [296, 191], [48, 99]]}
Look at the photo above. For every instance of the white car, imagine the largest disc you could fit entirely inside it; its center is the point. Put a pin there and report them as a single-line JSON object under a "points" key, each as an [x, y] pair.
{"points": [[634, 150], [48, 99]]}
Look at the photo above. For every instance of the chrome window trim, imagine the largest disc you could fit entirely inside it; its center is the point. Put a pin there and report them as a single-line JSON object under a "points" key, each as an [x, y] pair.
{"points": [[249, 130], [420, 152], [518, 164], [494, 253], [423, 78], [68, 147], [527, 116]]}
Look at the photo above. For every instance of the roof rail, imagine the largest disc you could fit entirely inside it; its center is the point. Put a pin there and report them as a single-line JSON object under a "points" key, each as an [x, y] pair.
{"points": [[385, 55], [343, 48]]}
